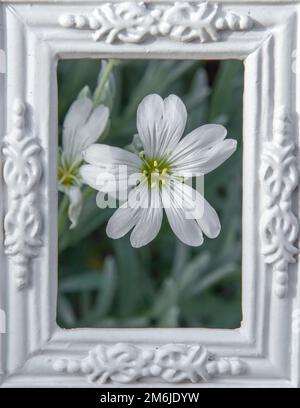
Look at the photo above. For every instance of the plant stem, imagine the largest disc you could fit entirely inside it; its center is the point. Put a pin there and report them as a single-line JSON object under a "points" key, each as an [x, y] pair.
{"points": [[100, 87], [63, 208]]}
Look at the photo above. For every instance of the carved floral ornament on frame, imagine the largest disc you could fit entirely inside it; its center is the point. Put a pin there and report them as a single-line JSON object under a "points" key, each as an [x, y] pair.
{"points": [[134, 22], [146, 179]]}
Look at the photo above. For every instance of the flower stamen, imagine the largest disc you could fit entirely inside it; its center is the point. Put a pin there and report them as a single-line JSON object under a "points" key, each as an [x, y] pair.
{"points": [[156, 171], [68, 175]]}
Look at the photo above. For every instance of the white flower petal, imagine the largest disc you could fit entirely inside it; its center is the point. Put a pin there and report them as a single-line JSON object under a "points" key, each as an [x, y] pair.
{"points": [[175, 117], [149, 222], [204, 161], [126, 216], [187, 230], [76, 117], [197, 207], [121, 222], [201, 138], [149, 117], [160, 123], [114, 195], [105, 180], [91, 131], [209, 222], [89, 175], [104, 155], [75, 206], [117, 181]]}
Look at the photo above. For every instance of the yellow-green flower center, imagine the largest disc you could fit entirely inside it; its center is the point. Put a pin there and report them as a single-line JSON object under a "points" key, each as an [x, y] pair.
{"points": [[68, 175], [155, 170]]}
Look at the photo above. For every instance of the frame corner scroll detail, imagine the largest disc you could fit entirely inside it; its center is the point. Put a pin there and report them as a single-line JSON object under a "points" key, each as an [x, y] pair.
{"points": [[22, 172], [171, 363], [131, 22], [279, 225]]}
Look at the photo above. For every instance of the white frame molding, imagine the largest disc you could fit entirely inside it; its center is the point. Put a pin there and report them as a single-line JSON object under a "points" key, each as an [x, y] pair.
{"points": [[265, 350]]}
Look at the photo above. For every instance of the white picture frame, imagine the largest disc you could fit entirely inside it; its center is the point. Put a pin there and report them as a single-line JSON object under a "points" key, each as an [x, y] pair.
{"points": [[265, 350]]}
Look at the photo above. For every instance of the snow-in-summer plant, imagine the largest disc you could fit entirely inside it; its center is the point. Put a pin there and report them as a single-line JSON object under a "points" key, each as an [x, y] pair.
{"points": [[162, 167], [178, 285], [84, 124]]}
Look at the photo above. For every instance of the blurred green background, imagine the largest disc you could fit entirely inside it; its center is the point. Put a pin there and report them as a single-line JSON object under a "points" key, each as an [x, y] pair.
{"points": [[107, 283]]}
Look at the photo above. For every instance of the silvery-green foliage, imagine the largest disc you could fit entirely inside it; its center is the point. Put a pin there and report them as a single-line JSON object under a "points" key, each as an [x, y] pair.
{"points": [[165, 283]]}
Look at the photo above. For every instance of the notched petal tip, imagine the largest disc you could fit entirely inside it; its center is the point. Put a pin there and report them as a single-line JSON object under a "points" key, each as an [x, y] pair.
{"points": [[173, 98], [109, 232], [229, 147], [174, 102], [234, 144], [209, 222], [214, 233], [151, 98], [218, 128], [161, 123], [112, 230], [191, 242], [136, 244], [120, 223]]}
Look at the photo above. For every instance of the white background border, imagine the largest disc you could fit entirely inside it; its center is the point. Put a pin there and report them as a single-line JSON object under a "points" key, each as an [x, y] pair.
{"points": [[35, 352]]}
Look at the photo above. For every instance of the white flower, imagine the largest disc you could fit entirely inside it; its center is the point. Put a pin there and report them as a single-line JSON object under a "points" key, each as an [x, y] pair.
{"points": [[82, 127], [161, 166]]}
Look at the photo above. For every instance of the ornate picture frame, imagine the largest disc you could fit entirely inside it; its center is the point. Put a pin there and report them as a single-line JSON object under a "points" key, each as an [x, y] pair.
{"points": [[265, 350]]}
